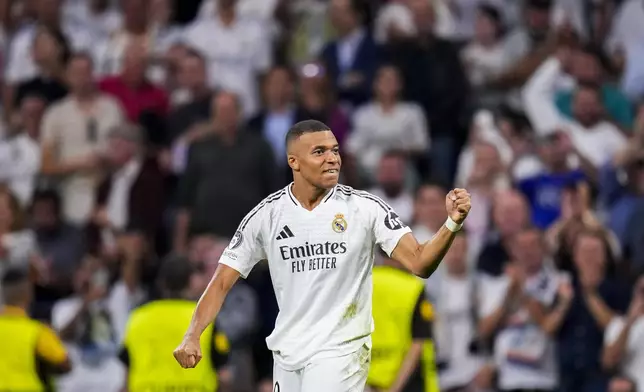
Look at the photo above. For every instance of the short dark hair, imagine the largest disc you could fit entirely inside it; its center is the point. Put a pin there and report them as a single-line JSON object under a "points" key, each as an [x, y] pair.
{"points": [[306, 126], [14, 283]]}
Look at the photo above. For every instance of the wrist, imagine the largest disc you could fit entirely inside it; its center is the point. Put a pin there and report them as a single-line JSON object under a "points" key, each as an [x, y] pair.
{"points": [[452, 226]]}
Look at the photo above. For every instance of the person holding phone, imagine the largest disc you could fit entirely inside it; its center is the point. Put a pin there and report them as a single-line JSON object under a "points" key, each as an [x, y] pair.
{"points": [[89, 324]]}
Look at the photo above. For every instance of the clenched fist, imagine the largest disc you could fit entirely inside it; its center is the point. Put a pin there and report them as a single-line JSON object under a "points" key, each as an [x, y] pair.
{"points": [[458, 204], [188, 354]]}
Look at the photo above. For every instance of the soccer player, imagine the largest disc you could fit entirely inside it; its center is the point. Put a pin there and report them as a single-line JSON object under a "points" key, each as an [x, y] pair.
{"points": [[319, 238]]}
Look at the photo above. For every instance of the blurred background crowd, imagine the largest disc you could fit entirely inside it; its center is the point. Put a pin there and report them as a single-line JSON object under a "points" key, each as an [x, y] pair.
{"points": [[137, 130]]}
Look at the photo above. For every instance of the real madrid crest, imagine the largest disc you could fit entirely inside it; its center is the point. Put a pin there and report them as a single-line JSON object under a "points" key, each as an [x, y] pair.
{"points": [[339, 224]]}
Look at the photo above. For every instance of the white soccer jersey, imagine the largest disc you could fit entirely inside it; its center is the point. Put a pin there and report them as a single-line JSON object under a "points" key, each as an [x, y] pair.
{"points": [[320, 263]]}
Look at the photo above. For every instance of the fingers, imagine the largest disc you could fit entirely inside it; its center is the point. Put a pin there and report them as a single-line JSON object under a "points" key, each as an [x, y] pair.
{"points": [[451, 195], [187, 360]]}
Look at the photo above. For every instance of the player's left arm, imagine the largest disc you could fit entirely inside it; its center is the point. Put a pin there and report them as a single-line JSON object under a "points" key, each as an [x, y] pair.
{"points": [[423, 259]]}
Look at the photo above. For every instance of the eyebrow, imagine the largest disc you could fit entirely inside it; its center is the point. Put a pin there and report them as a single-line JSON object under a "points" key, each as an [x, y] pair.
{"points": [[323, 147]]}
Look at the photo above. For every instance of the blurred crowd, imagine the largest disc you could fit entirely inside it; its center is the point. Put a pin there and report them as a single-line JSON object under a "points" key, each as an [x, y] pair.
{"points": [[136, 129]]}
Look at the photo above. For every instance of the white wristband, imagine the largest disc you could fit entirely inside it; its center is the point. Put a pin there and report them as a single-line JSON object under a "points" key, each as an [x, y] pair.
{"points": [[452, 226]]}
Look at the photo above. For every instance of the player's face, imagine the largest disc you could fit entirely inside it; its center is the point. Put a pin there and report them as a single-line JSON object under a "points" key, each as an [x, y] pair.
{"points": [[316, 157]]}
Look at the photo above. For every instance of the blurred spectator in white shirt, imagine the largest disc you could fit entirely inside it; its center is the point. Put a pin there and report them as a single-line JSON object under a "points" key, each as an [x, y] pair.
{"points": [[594, 139], [394, 21], [237, 51], [454, 296], [91, 323], [386, 123], [20, 150], [97, 16], [140, 27], [20, 64], [485, 57], [74, 133], [390, 185], [524, 354]]}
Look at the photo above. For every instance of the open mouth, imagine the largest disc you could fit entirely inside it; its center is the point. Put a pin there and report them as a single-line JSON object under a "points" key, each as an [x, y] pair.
{"points": [[331, 171]]}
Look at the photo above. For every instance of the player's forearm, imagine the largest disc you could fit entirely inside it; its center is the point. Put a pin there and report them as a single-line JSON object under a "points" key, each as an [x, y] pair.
{"points": [[432, 252], [211, 301]]}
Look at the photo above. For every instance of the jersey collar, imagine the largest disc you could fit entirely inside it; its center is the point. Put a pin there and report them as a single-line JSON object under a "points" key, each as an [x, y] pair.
{"points": [[326, 198]]}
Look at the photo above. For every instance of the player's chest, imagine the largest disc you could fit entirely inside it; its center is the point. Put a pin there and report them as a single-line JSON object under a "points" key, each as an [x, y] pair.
{"points": [[312, 239]]}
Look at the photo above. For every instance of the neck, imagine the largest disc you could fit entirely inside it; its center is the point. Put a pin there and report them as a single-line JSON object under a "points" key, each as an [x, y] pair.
{"points": [[387, 104], [227, 16], [132, 83], [486, 43], [136, 28], [349, 32], [84, 95], [308, 195]]}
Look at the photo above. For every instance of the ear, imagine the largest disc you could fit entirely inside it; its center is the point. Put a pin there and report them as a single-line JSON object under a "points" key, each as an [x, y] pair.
{"points": [[293, 163]]}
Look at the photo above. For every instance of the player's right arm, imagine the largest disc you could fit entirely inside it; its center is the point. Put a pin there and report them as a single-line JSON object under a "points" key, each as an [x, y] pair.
{"points": [[423, 259], [239, 258]]}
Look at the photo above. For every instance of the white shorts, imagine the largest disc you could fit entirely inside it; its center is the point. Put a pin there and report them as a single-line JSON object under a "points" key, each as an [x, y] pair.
{"points": [[337, 374]]}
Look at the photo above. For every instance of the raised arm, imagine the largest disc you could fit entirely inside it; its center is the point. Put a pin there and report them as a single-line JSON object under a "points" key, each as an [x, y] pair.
{"points": [[423, 259]]}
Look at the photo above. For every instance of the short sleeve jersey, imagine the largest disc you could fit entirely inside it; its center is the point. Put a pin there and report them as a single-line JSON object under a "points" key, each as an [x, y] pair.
{"points": [[320, 263]]}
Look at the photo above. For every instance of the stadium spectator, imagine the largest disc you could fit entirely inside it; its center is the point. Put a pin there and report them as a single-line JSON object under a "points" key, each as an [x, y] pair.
{"points": [[510, 214], [435, 79], [459, 351], [544, 190], [280, 113], [134, 30], [50, 53], [91, 323], [594, 140], [351, 60], [485, 57], [318, 101], [386, 124], [237, 50], [129, 199], [137, 95], [62, 247], [429, 213], [20, 150], [74, 132], [18, 248], [228, 172], [391, 185], [21, 65], [524, 354], [596, 299]]}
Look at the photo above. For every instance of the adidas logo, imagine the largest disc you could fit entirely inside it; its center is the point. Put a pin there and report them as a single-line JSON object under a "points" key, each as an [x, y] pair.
{"points": [[285, 233]]}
